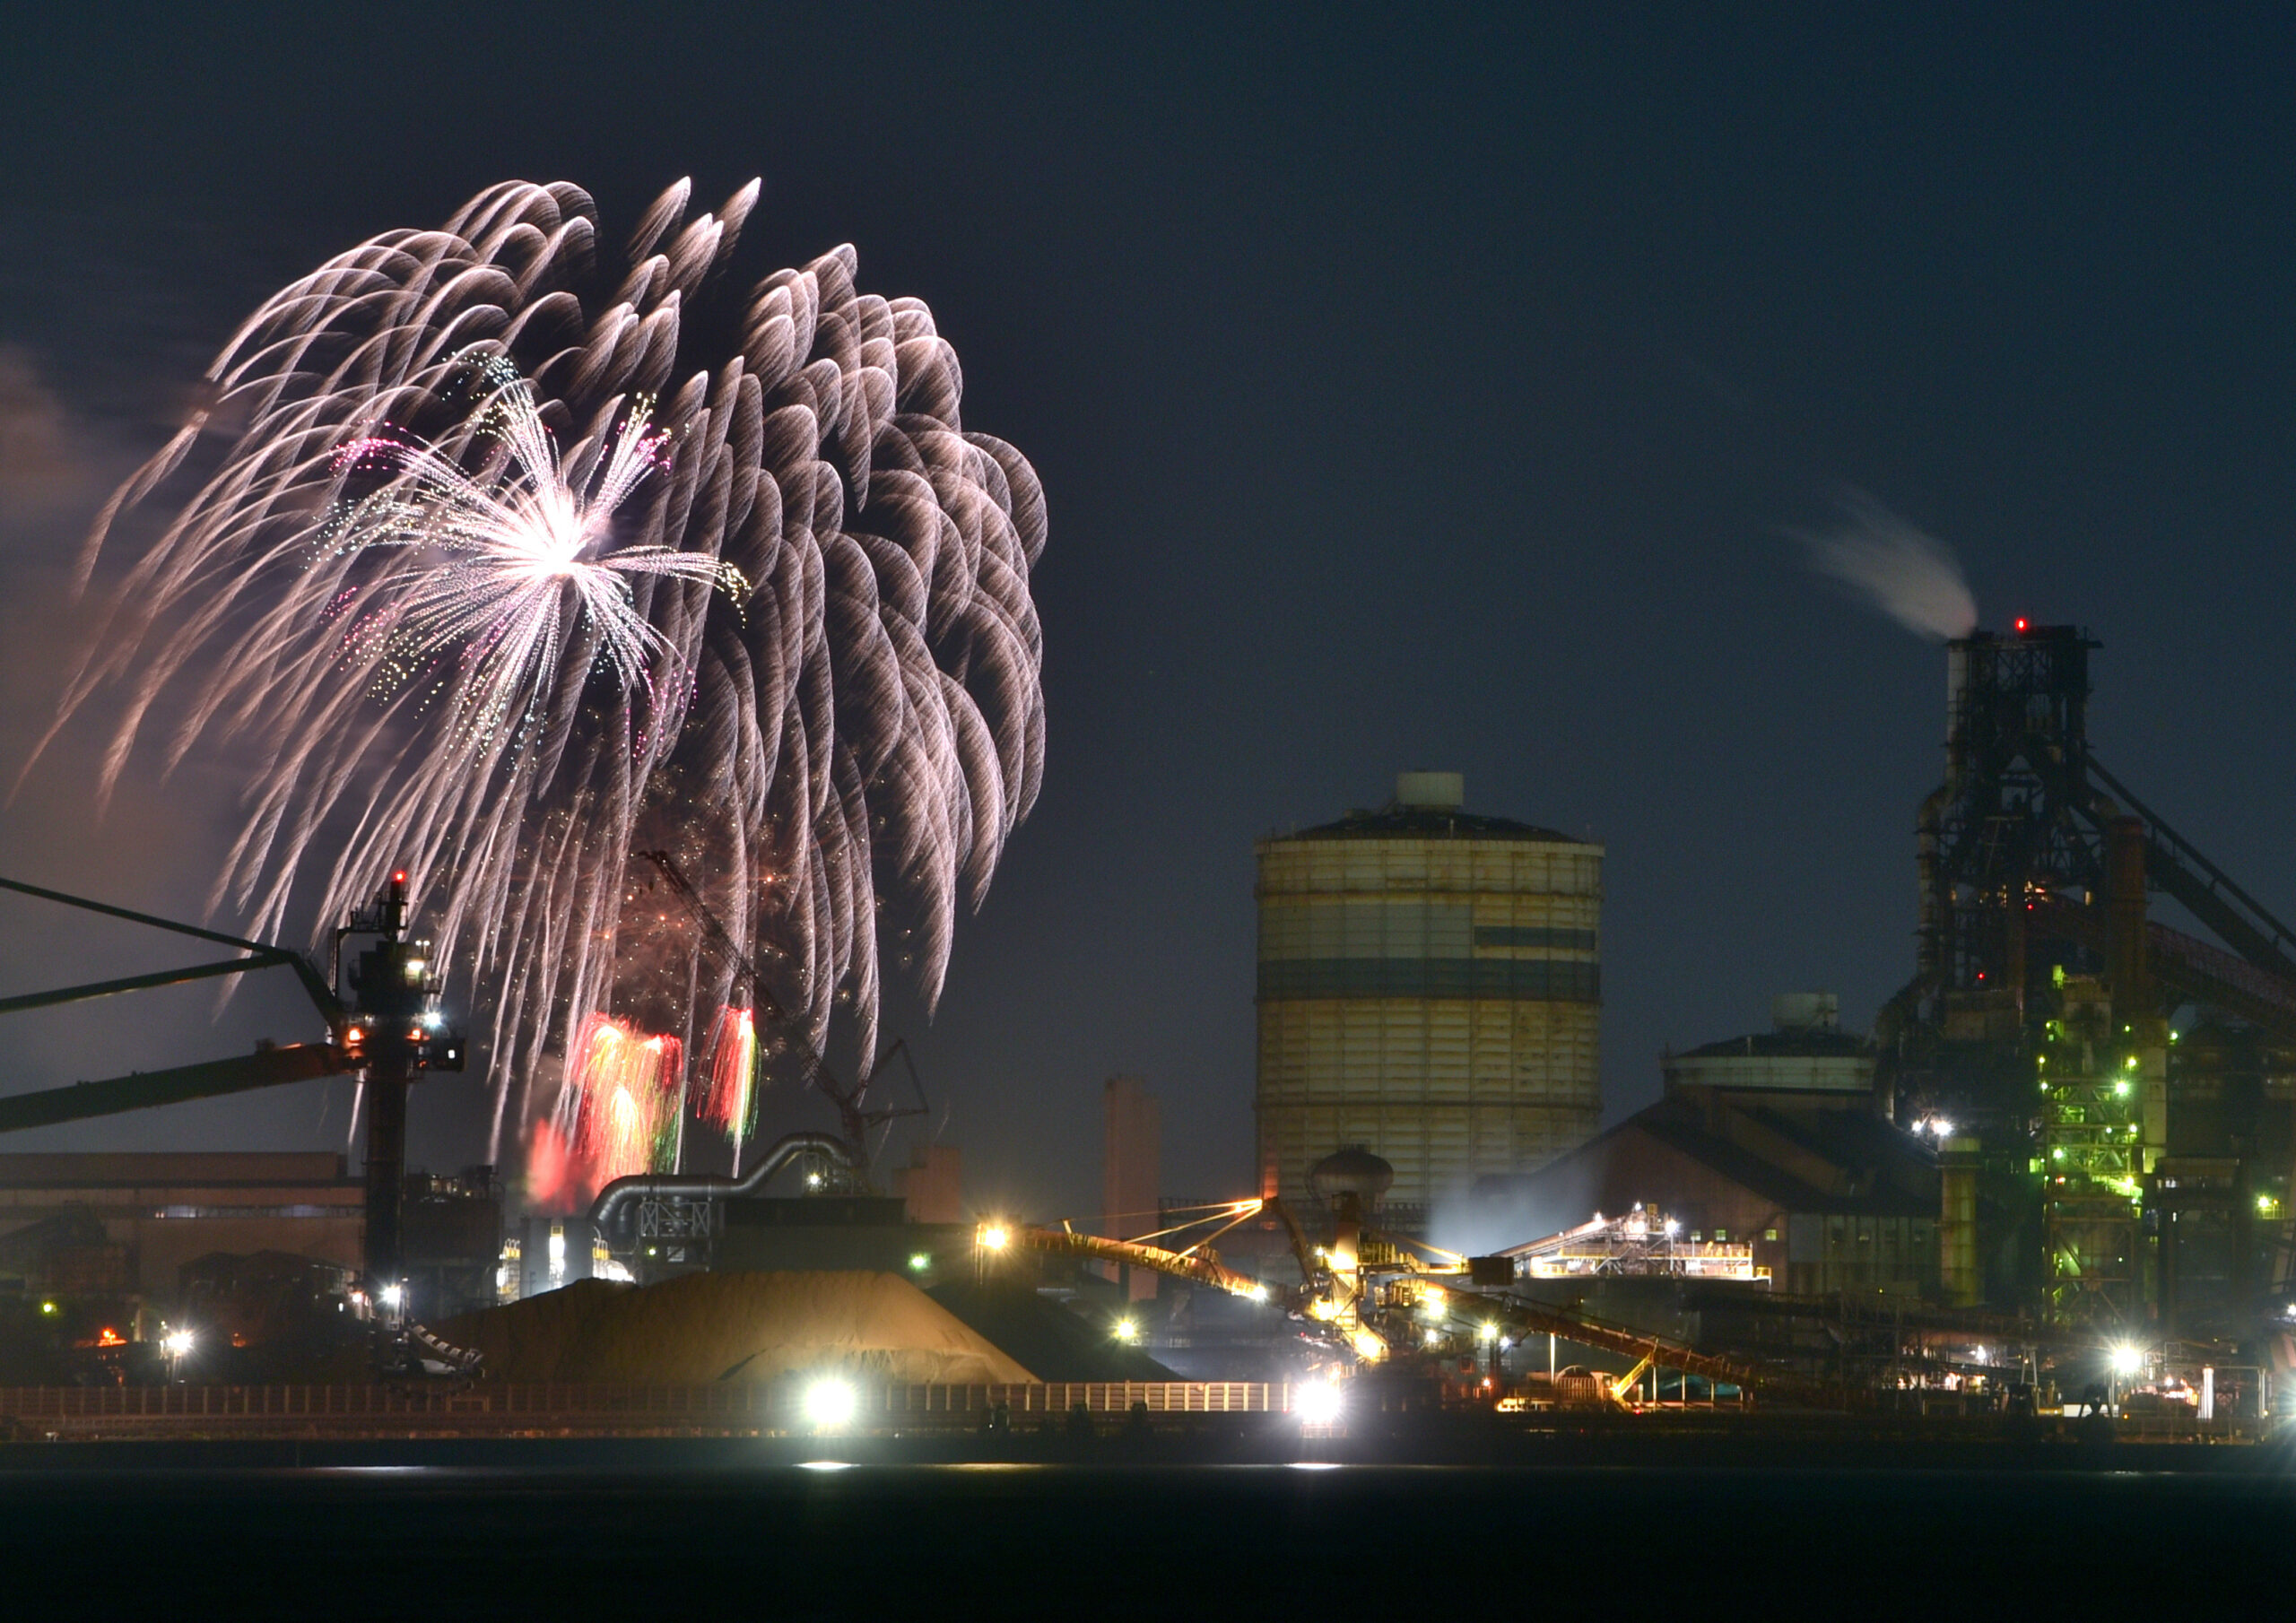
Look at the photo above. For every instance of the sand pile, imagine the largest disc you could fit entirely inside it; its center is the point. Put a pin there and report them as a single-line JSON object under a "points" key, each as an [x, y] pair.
{"points": [[708, 1327]]}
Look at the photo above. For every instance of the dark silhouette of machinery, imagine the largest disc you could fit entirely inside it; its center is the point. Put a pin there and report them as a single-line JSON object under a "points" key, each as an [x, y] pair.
{"points": [[389, 1032]]}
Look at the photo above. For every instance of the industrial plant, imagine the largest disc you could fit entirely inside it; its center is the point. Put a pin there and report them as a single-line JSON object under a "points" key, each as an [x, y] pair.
{"points": [[2048, 1191]]}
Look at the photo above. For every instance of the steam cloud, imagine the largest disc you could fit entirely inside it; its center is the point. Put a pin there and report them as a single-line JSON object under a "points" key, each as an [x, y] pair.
{"points": [[1909, 575]]}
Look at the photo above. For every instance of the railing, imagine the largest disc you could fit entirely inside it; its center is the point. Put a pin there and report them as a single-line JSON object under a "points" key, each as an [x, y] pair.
{"points": [[523, 1405]]}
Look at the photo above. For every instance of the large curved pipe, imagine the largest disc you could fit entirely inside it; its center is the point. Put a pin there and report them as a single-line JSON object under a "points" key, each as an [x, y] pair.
{"points": [[620, 1198]]}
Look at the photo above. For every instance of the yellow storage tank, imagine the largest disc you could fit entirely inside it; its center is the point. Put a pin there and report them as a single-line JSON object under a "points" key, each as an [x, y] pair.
{"points": [[1429, 989]]}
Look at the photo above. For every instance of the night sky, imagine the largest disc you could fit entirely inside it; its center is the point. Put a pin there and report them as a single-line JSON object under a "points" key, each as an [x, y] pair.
{"points": [[1405, 394]]}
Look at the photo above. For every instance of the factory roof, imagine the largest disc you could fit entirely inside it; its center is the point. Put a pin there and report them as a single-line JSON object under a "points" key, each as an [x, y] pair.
{"points": [[1852, 1163], [1803, 1043], [1807, 1161], [1396, 822]]}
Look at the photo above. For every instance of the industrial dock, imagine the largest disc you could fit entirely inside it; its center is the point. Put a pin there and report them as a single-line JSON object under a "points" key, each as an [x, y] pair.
{"points": [[2044, 1205]]}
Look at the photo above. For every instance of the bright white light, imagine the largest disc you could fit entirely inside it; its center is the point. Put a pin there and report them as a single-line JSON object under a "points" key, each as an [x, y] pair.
{"points": [[2128, 1361], [1128, 1330], [391, 1296], [1488, 1333], [995, 1236], [175, 1344], [1258, 1293], [824, 1465], [1673, 1229], [829, 1403], [1317, 1404], [482, 567]]}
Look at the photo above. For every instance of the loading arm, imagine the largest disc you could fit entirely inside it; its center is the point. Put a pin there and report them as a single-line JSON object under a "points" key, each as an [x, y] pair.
{"points": [[267, 1067], [1200, 1264], [140, 1090]]}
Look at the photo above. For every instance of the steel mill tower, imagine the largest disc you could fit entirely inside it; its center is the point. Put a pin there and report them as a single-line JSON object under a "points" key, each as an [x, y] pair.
{"points": [[1430, 990]]}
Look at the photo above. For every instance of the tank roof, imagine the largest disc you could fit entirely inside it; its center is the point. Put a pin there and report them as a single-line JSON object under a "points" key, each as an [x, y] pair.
{"points": [[1431, 822], [1802, 1042]]}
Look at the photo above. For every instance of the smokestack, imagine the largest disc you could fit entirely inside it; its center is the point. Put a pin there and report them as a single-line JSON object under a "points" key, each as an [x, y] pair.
{"points": [[1131, 1169]]}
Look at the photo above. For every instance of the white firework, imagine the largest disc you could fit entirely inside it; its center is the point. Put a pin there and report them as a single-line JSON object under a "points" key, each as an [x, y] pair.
{"points": [[500, 568], [826, 662]]}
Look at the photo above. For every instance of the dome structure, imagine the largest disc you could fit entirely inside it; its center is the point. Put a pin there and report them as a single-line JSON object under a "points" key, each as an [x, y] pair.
{"points": [[1355, 1171]]}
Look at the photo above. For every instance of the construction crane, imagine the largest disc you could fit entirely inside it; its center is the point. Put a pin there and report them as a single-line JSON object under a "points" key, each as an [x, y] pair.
{"points": [[856, 1123]]}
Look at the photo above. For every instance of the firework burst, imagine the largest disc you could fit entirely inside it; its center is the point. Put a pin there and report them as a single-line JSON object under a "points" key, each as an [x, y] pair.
{"points": [[488, 575], [490, 565], [620, 1112]]}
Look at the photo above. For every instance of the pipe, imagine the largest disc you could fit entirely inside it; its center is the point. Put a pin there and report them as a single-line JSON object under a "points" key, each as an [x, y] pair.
{"points": [[606, 1212]]}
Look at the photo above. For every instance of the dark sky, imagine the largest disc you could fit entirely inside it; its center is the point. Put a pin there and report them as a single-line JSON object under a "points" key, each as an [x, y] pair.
{"points": [[1405, 392]]}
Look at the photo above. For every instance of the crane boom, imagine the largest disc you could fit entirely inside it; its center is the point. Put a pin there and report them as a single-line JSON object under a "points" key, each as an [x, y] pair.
{"points": [[140, 1090], [1197, 1264]]}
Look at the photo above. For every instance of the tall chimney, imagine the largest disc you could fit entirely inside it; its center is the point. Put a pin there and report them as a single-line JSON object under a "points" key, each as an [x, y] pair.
{"points": [[1131, 1168]]}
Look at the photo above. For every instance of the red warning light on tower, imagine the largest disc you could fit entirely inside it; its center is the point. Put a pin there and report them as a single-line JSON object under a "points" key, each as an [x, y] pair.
{"points": [[2023, 625]]}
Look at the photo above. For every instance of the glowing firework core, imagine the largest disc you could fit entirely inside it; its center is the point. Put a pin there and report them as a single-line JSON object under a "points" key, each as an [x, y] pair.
{"points": [[488, 557], [731, 1103]]}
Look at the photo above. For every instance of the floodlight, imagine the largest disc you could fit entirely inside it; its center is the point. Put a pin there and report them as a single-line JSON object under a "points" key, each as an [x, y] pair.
{"points": [[829, 1403]]}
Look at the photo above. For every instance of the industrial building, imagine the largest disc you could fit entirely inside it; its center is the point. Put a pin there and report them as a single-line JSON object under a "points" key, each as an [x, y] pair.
{"points": [[1776, 1139], [1430, 988], [125, 1224], [2119, 1177], [1805, 1059], [149, 1227]]}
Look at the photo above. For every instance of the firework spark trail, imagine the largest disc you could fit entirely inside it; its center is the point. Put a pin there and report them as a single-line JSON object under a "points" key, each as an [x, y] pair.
{"points": [[620, 1115], [867, 715], [519, 539], [730, 1104]]}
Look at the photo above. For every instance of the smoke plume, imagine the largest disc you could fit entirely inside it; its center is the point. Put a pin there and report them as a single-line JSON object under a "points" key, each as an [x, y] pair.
{"points": [[1909, 575]]}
